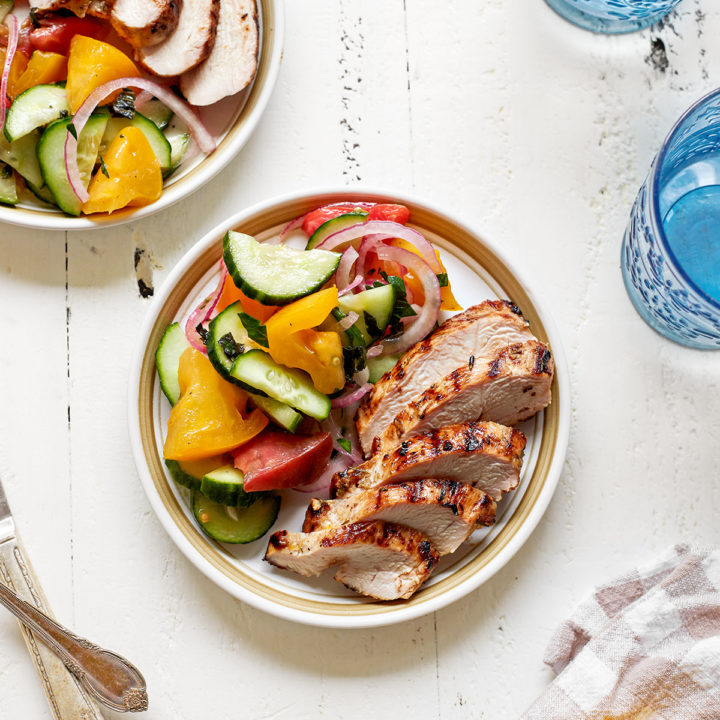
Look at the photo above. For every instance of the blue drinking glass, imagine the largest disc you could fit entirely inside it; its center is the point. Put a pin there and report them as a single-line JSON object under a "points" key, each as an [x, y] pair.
{"points": [[612, 16], [671, 248]]}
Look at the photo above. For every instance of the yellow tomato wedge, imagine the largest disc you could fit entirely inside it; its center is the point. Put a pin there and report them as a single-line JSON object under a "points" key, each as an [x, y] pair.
{"points": [[446, 295], [17, 68], [231, 293], [133, 174], [92, 63], [42, 68], [208, 419], [294, 343]]}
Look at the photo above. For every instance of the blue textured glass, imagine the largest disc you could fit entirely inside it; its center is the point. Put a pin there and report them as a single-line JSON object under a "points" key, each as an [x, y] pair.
{"points": [[613, 16], [668, 298]]}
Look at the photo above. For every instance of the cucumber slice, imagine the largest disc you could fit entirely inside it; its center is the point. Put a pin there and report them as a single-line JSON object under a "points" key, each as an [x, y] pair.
{"points": [[51, 154], [21, 155], [34, 108], [257, 371], [378, 303], [226, 486], [280, 413], [329, 227], [157, 112], [6, 7], [275, 274], [189, 473], [167, 360], [41, 193], [351, 336], [224, 330], [8, 188], [235, 525], [149, 129], [378, 366], [179, 145]]}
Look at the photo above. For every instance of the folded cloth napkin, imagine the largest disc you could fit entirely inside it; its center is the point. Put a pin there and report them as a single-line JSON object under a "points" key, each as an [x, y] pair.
{"points": [[645, 646]]}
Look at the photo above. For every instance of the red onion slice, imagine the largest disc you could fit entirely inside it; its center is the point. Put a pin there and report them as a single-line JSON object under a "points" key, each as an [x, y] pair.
{"points": [[357, 281], [342, 274], [178, 106], [13, 35], [388, 229], [348, 321], [204, 312], [428, 316], [351, 397], [374, 351]]}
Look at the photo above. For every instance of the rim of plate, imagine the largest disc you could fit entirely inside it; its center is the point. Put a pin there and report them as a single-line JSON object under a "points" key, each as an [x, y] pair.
{"points": [[194, 545], [272, 37]]}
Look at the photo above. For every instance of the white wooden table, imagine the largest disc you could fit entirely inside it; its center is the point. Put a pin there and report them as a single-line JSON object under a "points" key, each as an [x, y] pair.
{"points": [[534, 131]]}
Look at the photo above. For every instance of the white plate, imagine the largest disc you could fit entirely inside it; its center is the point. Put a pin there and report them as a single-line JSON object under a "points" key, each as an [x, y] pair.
{"points": [[477, 271], [231, 121]]}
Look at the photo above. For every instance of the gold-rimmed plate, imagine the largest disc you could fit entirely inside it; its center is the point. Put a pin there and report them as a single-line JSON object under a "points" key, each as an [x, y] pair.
{"points": [[477, 271], [231, 121]]}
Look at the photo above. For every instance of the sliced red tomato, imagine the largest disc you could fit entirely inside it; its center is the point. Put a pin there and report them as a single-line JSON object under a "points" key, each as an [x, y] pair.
{"points": [[55, 34], [317, 217], [394, 213], [276, 459]]}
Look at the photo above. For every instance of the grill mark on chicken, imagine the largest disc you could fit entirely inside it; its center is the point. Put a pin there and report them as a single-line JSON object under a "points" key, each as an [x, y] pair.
{"points": [[488, 446], [447, 511], [375, 558], [478, 332], [143, 23], [507, 388]]}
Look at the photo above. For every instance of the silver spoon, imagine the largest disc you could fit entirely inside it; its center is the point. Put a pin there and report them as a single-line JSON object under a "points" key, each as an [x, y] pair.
{"points": [[109, 678]]}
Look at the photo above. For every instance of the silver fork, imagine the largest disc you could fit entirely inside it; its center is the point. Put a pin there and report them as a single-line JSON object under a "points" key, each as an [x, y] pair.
{"points": [[73, 671]]}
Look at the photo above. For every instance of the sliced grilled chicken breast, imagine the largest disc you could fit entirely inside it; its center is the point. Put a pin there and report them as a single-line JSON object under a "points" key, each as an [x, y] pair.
{"points": [[143, 23], [485, 455], [445, 510], [189, 44], [478, 332], [232, 63], [507, 388], [100, 9], [377, 559], [77, 7]]}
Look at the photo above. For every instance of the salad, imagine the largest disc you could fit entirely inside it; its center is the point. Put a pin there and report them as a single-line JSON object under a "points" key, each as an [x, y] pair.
{"points": [[83, 129], [266, 373]]}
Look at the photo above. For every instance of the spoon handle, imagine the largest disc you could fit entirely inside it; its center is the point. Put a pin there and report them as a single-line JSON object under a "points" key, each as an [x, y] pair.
{"points": [[109, 678]]}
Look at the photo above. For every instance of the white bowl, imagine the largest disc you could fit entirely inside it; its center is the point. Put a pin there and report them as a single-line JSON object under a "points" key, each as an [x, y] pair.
{"points": [[477, 271], [232, 121]]}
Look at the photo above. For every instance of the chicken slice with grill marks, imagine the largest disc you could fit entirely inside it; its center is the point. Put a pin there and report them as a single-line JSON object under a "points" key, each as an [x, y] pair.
{"points": [[445, 510], [232, 63], [507, 388], [479, 332], [143, 23], [189, 44], [485, 455], [378, 559]]}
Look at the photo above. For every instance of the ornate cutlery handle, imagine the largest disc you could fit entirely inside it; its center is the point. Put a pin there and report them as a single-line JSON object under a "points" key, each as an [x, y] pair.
{"points": [[111, 679]]}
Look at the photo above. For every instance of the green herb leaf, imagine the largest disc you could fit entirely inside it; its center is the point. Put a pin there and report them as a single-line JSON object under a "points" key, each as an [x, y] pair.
{"points": [[103, 167], [71, 129], [5, 171], [124, 104], [443, 280], [34, 18], [231, 348], [255, 329], [371, 325], [401, 308], [344, 443], [202, 332], [353, 359]]}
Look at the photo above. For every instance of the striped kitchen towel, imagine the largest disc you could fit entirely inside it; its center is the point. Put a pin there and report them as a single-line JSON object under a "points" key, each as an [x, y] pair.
{"points": [[645, 646]]}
